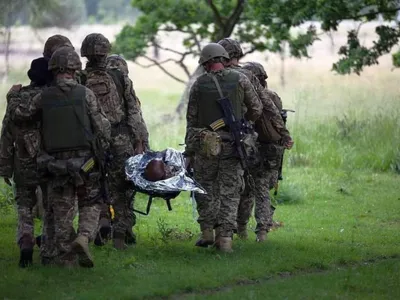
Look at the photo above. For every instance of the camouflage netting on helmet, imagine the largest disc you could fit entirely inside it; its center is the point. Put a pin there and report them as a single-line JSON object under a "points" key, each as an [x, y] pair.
{"points": [[211, 51], [136, 165], [232, 47], [64, 59], [116, 61], [54, 42], [256, 68], [95, 44]]}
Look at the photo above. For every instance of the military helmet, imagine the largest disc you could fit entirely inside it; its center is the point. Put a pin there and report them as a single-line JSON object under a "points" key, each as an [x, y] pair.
{"points": [[95, 44], [256, 68], [116, 61], [63, 59], [212, 50], [53, 43], [155, 170], [232, 47]]}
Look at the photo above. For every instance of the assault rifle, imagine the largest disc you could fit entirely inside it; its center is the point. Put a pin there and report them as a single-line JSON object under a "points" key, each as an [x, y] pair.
{"points": [[284, 118], [235, 126]]}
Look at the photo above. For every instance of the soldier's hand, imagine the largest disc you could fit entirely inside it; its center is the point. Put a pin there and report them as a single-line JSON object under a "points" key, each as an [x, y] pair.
{"points": [[288, 144], [15, 88], [188, 162], [139, 148], [7, 181]]}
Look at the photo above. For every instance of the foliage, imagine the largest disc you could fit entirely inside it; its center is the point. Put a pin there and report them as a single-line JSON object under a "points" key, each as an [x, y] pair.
{"points": [[105, 11], [260, 25]]}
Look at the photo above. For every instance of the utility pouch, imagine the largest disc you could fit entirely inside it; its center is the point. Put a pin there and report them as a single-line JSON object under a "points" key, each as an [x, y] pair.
{"points": [[210, 143], [58, 167], [43, 161], [32, 143]]}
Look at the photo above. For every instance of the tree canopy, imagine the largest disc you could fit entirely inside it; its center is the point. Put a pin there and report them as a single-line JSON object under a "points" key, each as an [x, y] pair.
{"points": [[261, 26]]}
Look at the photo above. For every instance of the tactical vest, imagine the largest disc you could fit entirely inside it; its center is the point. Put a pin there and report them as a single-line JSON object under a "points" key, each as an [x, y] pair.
{"points": [[66, 124], [209, 109]]}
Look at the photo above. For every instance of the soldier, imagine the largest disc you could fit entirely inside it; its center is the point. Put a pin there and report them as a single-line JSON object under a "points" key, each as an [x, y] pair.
{"points": [[121, 108], [20, 145], [272, 152], [72, 129], [271, 120], [53, 43], [216, 161], [116, 61]]}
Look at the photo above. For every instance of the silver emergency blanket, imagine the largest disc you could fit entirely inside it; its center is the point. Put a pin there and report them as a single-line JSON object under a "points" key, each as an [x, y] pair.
{"points": [[135, 166]]}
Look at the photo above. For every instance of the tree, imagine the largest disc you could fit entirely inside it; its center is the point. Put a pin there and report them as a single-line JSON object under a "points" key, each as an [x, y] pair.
{"points": [[13, 12], [267, 25], [199, 21]]}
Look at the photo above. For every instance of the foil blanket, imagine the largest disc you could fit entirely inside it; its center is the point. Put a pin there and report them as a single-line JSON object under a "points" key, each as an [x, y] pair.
{"points": [[135, 166]]}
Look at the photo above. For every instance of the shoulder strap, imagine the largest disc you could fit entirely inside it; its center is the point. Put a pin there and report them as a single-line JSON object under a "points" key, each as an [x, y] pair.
{"points": [[118, 80], [217, 85]]}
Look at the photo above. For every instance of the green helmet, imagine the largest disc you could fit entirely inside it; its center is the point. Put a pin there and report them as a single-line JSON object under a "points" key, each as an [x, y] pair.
{"points": [[232, 47], [54, 42], [63, 59], [256, 68], [115, 61], [210, 51], [95, 44]]}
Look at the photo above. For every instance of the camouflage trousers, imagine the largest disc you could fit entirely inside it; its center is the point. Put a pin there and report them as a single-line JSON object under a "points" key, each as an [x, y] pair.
{"points": [[61, 206], [25, 197], [265, 177], [223, 181], [121, 190]]}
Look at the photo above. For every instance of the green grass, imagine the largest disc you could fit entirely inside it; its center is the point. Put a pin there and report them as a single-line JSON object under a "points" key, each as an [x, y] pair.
{"points": [[339, 203]]}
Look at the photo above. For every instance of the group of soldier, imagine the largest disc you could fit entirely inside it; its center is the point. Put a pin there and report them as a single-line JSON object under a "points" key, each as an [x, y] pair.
{"points": [[237, 169], [60, 133], [70, 131]]}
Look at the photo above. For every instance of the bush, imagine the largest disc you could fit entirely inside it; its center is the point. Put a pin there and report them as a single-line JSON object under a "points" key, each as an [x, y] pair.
{"points": [[6, 199]]}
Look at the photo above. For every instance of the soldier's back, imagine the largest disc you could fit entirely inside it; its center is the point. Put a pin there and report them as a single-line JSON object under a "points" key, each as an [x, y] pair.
{"points": [[105, 89]]}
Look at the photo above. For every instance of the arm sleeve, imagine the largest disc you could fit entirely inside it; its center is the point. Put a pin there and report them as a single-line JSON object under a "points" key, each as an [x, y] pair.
{"points": [[6, 146], [134, 115], [192, 128], [251, 99], [26, 109]]}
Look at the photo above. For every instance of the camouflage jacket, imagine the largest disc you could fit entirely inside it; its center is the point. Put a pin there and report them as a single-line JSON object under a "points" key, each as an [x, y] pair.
{"points": [[115, 108], [20, 140], [251, 107]]}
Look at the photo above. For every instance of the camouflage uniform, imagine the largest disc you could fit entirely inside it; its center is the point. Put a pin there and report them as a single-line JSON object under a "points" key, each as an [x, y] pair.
{"points": [[118, 62], [64, 187], [126, 128], [20, 145], [221, 175], [265, 174], [48, 248]]}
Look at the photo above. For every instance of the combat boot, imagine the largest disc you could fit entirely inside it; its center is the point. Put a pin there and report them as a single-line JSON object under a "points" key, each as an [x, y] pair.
{"points": [[26, 244], [261, 236], [104, 233], [130, 237], [206, 239], [242, 232], [224, 244], [119, 241], [80, 246]]}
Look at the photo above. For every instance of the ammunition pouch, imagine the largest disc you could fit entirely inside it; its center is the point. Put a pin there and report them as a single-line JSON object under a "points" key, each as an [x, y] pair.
{"points": [[210, 143], [249, 142], [67, 167], [43, 161]]}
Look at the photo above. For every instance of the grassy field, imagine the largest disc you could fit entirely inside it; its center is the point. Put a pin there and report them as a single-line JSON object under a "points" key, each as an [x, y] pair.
{"points": [[339, 202]]}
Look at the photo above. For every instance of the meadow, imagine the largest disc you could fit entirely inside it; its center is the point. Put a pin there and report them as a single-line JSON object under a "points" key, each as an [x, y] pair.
{"points": [[339, 201]]}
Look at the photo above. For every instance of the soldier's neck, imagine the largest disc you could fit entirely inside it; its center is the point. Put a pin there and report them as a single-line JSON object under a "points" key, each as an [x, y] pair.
{"points": [[215, 67]]}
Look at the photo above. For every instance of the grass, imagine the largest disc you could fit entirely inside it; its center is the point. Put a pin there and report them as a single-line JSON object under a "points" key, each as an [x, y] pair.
{"points": [[339, 203]]}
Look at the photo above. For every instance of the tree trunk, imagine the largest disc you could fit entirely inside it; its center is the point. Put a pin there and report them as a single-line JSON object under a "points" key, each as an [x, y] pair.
{"points": [[282, 55], [7, 42]]}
